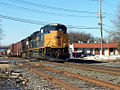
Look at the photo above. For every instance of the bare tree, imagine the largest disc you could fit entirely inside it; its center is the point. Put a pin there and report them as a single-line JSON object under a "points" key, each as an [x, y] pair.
{"points": [[115, 34], [0, 35], [84, 37], [80, 36]]}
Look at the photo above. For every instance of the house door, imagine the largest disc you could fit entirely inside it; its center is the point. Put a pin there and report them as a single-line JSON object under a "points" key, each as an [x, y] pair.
{"points": [[97, 51], [91, 51], [112, 51]]}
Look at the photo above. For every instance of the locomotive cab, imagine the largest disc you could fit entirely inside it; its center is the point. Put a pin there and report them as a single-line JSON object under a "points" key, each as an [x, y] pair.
{"points": [[56, 41], [50, 43], [55, 36], [53, 27]]}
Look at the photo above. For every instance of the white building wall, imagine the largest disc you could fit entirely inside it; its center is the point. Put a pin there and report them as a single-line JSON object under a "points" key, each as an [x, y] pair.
{"points": [[71, 50], [93, 51], [116, 52], [79, 50], [100, 51], [106, 52], [71, 47], [88, 50], [111, 53]]}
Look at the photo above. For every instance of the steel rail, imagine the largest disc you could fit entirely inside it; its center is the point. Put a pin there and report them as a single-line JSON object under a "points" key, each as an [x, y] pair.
{"points": [[112, 71], [95, 66], [100, 82], [79, 65], [16, 58], [87, 67], [103, 69], [50, 78]]}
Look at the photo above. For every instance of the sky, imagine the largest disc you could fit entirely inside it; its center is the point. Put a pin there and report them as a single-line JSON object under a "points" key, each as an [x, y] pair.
{"points": [[20, 18]]}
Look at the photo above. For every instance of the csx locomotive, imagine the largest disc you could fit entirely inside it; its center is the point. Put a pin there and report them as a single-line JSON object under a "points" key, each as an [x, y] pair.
{"points": [[50, 43]]}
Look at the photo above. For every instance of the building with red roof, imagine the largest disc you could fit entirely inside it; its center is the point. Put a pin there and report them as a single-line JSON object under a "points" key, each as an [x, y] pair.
{"points": [[95, 48]]}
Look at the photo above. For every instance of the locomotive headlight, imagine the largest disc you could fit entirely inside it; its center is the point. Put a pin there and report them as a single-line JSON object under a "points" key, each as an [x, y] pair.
{"points": [[52, 44]]}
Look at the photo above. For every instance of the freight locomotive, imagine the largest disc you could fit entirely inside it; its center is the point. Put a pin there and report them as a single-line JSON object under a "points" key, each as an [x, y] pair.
{"points": [[49, 43]]}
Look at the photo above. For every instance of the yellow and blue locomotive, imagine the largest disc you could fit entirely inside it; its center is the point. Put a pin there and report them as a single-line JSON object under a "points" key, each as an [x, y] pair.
{"points": [[50, 43]]}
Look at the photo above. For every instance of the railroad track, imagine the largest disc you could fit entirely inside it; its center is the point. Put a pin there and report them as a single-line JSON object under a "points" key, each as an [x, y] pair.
{"points": [[96, 68], [63, 84], [50, 78], [109, 70]]}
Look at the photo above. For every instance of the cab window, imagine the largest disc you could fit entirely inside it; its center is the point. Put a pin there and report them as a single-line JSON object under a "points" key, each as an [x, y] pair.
{"points": [[41, 31]]}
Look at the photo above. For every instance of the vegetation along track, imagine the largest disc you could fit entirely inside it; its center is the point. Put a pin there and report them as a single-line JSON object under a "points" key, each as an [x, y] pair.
{"points": [[96, 68], [67, 86]]}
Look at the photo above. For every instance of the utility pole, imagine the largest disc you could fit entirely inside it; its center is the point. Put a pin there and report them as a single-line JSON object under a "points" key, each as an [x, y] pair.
{"points": [[101, 27]]}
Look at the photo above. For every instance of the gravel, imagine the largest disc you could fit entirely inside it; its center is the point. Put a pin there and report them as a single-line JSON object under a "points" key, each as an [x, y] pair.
{"points": [[110, 64], [36, 82], [74, 81], [101, 76]]}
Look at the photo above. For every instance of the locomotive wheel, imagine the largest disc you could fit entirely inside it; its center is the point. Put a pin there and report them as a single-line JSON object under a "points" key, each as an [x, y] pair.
{"points": [[58, 53], [49, 51], [42, 55]]}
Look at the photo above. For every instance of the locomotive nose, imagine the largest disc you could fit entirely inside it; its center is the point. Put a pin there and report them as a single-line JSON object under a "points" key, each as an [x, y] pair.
{"points": [[59, 38]]}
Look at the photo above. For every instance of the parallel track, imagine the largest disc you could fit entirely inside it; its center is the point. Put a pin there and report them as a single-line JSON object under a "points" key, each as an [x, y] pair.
{"points": [[96, 68], [85, 78], [50, 78]]}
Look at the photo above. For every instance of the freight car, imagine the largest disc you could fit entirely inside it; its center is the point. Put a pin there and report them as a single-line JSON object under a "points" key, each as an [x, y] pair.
{"points": [[4, 52], [50, 43]]}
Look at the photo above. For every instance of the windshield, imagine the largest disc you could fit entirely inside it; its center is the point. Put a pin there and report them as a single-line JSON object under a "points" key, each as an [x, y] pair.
{"points": [[55, 28]]}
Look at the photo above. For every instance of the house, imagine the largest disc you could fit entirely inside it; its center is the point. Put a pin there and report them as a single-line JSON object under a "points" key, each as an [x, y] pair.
{"points": [[95, 48]]}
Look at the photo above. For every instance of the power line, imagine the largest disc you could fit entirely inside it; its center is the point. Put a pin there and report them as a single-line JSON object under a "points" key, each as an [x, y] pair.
{"points": [[71, 26], [38, 11], [41, 22], [24, 20], [106, 31], [109, 31], [108, 26], [84, 27], [52, 7]]}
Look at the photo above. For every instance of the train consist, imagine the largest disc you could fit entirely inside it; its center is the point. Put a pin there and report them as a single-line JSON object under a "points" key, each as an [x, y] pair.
{"points": [[50, 43]]}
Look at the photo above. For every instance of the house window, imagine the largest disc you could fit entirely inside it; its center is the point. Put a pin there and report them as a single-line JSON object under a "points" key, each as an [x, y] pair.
{"points": [[91, 50], [75, 50], [97, 51]]}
